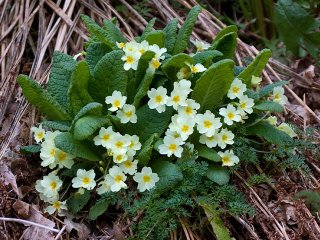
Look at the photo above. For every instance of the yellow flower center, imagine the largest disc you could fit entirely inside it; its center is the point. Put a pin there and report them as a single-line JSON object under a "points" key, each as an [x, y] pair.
{"points": [[62, 156], [176, 99], [224, 138], [119, 158], [199, 49], [158, 99], [86, 180], [146, 178], [243, 105], [207, 124], [128, 164], [53, 185], [185, 128], [131, 144], [194, 69], [130, 60], [176, 135], [155, 63], [188, 110], [116, 103], [128, 114], [226, 159], [277, 96], [142, 51], [211, 138], [235, 89], [56, 205], [52, 152], [40, 135], [106, 137], [119, 144], [230, 115], [172, 147], [118, 178], [121, 45]]}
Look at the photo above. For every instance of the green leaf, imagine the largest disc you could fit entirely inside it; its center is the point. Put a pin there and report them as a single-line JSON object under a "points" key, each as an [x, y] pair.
{"points": [[93, 108], [171, 66], [213, 215], [170, 174], [146, 150], [30, 149], [218, 174], [113, 31], [95, 52], [57, 125], [149, 122], [268, 106], [109, 75], [78, 91], [293, 23], [143, 65], [267, 90], [226, 45], [171, 34], [144, 87], [208, 153], [88, 125], [270, 133], [147, 30], [206, 57], [98, 32], [77, 201], [156, 37], [186, 30], [225, 31], [255, 67], [213, 84], [60, 76], [99, 208], [67, 143], [41, 99]]}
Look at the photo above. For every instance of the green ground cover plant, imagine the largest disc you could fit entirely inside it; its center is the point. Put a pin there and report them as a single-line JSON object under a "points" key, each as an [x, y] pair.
{"points": [[156, 125]]}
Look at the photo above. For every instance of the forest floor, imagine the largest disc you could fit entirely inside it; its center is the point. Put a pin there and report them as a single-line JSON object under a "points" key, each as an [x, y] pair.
{"points": [[30, 31]]}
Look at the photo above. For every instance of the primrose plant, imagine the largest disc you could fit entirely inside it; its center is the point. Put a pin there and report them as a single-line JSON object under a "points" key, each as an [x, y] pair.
{"points": [[119, 119]]}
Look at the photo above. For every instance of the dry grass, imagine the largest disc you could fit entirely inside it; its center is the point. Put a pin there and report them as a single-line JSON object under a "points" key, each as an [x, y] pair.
{"points": [[31, 30]]}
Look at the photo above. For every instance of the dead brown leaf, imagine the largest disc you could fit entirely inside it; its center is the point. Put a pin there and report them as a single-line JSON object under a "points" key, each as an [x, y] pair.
{"points": [[7, 177], [22, 209], [82, 230]]}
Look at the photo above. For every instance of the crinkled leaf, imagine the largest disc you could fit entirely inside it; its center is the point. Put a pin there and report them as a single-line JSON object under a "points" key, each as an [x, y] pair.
{"points": [[94, 53], [255, 67], [41, 99], [99, 208], [208, 153], [82, 149], [206, 57], [218, 174], [30, 149], [144, 87], [172, 65], [57, 125], [171, 34], [146, 150], [93, 108], [78, 91], [226, 45], [147, 30], [270, 133], [113, 31], [143, 65], [186, 30], [268, 106], [268, 89], [156, 37], [87, 125], [77, 201], [169, 174], [225, 31], [98, 32], [109, 75], [60, 76], [149, 122], [213, 84]]}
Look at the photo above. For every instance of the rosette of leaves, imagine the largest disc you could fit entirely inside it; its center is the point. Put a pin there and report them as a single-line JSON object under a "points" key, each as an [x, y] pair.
{"points": [[73, 102]]}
